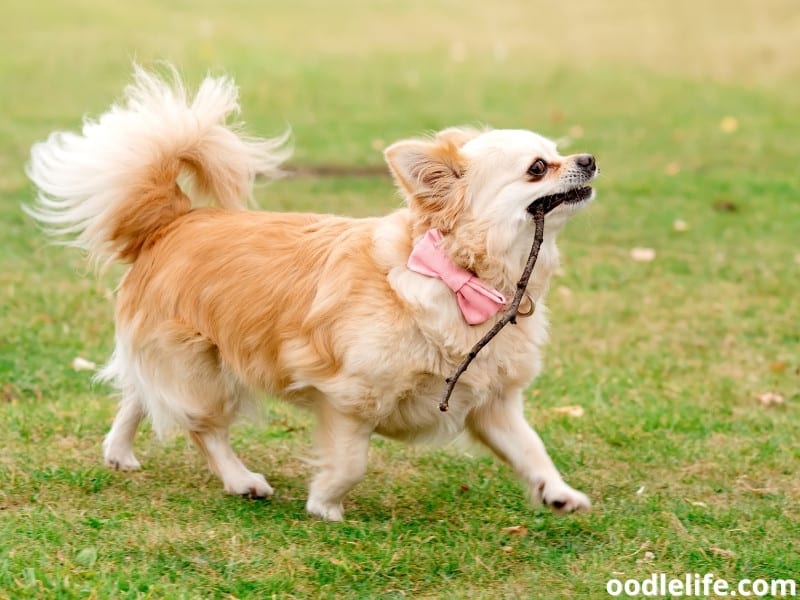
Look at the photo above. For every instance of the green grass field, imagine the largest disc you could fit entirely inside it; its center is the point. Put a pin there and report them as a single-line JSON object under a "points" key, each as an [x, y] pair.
{"points": [[692, 111]]}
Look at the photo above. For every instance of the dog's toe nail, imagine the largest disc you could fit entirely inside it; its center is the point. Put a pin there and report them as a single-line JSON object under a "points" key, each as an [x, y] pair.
{"points": [[257, 494]]}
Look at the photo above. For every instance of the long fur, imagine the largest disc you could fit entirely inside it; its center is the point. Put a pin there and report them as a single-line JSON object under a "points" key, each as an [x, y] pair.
{"points": [[116, 184], [219, 302]]}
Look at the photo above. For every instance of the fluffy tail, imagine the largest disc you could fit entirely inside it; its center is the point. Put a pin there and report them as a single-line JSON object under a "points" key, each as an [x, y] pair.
{"points": [[116, 184]]}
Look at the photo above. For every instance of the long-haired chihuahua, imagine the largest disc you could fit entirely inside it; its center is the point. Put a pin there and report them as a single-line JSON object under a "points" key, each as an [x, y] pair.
{"points": [[358, 320]]}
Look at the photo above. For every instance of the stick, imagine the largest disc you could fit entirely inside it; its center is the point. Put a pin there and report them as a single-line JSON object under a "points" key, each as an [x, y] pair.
{"points": [[510, 315]]}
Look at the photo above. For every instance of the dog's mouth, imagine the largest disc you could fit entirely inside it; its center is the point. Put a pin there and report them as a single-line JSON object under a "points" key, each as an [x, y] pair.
{"points": [[573, 196]]}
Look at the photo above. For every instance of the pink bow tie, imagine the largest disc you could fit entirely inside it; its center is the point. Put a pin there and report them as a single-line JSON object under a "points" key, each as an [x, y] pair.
{"points": [[477, 301]]}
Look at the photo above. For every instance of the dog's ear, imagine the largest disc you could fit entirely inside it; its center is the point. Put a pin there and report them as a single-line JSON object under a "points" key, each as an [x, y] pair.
{"points": [[458, 135], [430, 174], [425, 170]]}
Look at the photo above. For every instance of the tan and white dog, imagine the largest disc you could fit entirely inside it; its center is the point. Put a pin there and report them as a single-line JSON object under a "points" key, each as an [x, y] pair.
{"points": [[221, 304]]}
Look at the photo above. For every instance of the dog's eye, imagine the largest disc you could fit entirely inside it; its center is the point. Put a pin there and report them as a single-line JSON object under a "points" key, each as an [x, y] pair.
{"points": [[537, 169]]}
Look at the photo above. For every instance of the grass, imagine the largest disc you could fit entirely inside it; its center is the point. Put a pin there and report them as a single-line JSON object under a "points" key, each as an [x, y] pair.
{"points": [[688, 471]]}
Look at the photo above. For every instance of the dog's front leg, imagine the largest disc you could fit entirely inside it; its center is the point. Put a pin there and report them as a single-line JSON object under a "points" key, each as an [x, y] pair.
{"points": [[342, 445], [501, 425]]}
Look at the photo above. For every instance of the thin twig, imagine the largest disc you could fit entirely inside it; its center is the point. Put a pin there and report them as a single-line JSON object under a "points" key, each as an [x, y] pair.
{"points": [[510, 315]]}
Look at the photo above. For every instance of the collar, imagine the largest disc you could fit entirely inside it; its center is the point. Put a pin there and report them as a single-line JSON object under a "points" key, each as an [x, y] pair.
{"points": [[478, 302]]}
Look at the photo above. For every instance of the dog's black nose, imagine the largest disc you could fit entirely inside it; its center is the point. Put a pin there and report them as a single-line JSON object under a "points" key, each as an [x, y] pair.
{"points": [[586, 162]]}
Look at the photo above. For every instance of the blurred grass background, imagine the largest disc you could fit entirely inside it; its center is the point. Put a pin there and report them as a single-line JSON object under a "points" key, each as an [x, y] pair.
{"points": [[691, 108]]}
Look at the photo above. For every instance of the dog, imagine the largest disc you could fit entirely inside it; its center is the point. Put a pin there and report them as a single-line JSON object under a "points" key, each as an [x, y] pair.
{"points": [[340, 315]]}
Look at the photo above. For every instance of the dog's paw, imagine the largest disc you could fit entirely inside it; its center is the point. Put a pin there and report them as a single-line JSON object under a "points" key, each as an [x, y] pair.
{"points": [[250, 485], [562, 498], [122, 462], [327, 512]]}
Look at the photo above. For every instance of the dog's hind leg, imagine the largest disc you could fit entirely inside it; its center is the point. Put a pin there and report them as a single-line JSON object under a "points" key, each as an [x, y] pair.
{"points": [[236, 478], [192, 387], [118, 444], [181, 382]]}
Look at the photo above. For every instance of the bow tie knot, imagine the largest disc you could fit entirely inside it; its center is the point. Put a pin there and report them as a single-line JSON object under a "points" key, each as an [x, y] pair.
{"points": [[478, 302]]}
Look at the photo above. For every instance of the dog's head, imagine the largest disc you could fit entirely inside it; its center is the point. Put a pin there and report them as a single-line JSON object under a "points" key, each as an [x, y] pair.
{"points": [[480, 188]]}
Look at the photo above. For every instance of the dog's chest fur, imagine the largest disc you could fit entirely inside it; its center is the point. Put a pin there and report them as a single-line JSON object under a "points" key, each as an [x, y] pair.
{"points": [[409, 409], [407, 375]]}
